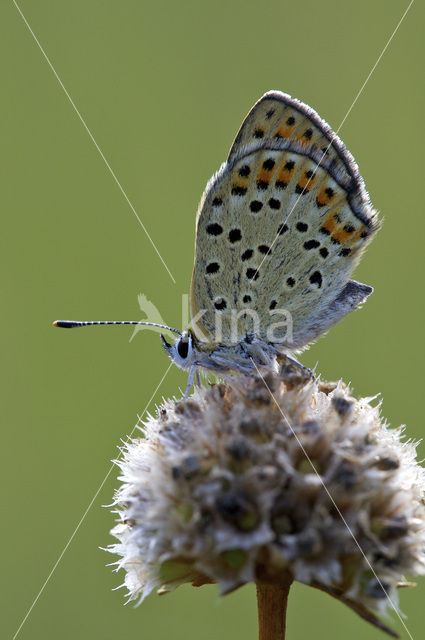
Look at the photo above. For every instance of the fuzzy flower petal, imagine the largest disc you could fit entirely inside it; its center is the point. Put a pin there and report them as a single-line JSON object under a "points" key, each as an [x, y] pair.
{"points": [[248, 482]]}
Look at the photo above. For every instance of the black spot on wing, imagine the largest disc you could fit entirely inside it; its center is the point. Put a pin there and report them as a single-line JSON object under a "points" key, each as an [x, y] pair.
{"points": [[264, 249], [220, 304], [311, 244], [252, 274], [274, 204], [235, 235], [237, 190], [316, 278], [281, 184], [244, 171], [212, 267], [268, 164], [214, 229], [255, 206]]}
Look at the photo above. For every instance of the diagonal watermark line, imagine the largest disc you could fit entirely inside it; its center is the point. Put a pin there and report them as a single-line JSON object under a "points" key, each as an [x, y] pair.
{"points": [[64, 550], [360, 91], [285, 417], [111, 171], [375, 65]]}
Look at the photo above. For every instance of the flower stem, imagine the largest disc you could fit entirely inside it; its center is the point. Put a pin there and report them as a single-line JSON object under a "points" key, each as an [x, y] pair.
{"points": [[272, 599]]}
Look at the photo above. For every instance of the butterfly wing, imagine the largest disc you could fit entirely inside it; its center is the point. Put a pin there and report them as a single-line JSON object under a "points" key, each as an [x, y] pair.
{"points": [[278, 116], [280, 227]]}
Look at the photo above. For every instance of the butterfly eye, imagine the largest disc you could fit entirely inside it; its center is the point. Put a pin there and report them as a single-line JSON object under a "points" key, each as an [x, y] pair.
{"points": [[183, 348]]}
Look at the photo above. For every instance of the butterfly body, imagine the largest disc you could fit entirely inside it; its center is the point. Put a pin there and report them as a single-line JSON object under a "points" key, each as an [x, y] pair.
{"points": [[188, 352], [248, 357]]}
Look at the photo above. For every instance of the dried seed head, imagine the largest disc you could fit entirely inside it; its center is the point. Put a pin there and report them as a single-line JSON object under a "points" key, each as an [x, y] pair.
{"points": [[248, 483]]}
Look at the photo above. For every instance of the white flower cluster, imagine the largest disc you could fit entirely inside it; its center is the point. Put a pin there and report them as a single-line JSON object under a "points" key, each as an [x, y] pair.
{"points": [[246, 483]]}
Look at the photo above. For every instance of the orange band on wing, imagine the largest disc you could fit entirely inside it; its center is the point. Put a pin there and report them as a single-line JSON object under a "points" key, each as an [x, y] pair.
{"points": [[305, 182], [324, 197], [329, 223], [284, 132]]}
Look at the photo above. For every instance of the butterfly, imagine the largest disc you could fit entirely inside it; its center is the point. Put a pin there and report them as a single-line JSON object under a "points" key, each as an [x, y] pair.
{"points": [[279, 230]]}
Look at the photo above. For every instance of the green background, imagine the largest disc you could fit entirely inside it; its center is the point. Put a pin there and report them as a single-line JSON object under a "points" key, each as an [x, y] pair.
{"points": [[163, 86]]}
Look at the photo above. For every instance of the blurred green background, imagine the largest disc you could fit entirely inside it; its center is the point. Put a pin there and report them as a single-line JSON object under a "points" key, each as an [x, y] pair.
{"points": [[164, 87]]}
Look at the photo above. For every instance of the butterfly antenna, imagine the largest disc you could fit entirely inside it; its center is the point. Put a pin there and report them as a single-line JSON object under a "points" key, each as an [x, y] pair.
{"points": [[71, 324]]}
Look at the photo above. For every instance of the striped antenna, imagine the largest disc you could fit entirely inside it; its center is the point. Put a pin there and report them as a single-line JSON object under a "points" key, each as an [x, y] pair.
{"points": [[71, 324]]}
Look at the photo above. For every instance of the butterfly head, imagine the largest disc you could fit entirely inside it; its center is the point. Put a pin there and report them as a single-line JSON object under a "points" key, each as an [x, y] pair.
{"points": [[183, 351]]}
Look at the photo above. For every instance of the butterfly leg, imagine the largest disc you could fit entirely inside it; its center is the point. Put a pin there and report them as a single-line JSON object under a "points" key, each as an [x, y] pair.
{"points": [[192, 372], [230, 365], [290, 367], [268, 355], [260, 353]]}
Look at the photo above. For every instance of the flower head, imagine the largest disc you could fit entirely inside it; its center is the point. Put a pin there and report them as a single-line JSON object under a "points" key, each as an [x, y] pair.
{"points": [[267, 478]]}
